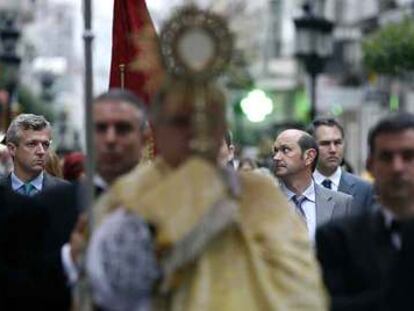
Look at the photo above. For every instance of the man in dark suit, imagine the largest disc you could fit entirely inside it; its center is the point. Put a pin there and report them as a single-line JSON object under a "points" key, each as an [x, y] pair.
{"points": [[120, 123], [28, 139], [65, 235], [295, 157], [330, 137], [32, 275], [357, 254], [21, 236], [398, 294]]}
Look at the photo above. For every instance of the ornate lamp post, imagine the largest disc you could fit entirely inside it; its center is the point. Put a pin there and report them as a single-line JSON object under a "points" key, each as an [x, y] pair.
{"points": [[9, 36], [314, 45]]}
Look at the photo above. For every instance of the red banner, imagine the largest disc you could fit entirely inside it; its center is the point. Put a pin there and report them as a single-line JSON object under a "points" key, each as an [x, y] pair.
{"points": [[135, 61]]}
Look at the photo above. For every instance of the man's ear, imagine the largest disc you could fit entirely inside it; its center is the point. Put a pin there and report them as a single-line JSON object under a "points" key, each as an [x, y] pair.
{"points": [[310, 156], [232, 149], [12, 148]]}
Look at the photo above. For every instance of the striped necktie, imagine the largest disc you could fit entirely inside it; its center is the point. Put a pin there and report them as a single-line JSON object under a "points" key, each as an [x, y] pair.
{"points": [[298, 200]]}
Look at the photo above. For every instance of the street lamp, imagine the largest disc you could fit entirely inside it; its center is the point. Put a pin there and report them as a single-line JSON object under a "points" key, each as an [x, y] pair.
{"points": [[9, 36], [313, 46]]}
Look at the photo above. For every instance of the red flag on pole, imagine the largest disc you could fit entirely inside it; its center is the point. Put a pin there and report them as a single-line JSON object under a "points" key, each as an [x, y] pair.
{"points": [[135, 61]]}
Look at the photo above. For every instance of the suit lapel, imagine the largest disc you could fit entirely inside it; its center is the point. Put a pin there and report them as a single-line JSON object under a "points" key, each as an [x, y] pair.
{"points": [[6, 181], [324, 205], [46, 181], [382, 247], [345, 183]]}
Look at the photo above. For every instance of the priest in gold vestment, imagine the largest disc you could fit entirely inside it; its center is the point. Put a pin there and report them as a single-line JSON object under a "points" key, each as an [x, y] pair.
{"points": [[224, 240]]}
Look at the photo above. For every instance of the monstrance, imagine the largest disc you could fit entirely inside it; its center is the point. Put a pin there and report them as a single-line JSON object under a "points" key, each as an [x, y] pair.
{"points": [[196, 46]]}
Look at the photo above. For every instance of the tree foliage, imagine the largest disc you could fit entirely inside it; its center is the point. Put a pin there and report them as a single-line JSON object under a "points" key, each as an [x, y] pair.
{"points": [[29, 101], [390, 50]]}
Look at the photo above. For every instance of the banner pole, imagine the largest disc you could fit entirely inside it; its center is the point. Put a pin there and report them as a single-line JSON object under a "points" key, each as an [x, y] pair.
{"points": [[82, 292], [88, 37]]}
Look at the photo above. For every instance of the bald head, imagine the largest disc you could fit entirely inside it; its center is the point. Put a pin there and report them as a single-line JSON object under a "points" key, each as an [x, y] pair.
{"points": [[295, 152], [292, 135], [302, 138]]}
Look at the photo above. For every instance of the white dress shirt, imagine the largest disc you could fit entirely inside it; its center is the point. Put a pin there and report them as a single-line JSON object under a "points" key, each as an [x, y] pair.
{"points": [[308, 206], [18, 185], [335, 178], [100, 182], [389, 217]]}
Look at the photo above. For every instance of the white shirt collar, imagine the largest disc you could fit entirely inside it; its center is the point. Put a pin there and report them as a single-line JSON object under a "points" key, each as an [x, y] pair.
{"points": [[335, 178], [309, 192], [36, 182], [100, 182], [308, 206], [388, 216]]}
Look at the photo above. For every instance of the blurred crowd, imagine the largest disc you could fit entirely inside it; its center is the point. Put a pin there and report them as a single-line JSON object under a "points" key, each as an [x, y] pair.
{"points": [[196, 227]]}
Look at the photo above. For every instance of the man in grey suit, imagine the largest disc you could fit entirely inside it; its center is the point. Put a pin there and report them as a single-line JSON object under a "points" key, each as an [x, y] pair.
{"points": [[295, 157], [329, 136]]}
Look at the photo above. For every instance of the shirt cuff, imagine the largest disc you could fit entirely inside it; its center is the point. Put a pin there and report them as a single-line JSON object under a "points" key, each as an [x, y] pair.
{"points": [[71, 271]]}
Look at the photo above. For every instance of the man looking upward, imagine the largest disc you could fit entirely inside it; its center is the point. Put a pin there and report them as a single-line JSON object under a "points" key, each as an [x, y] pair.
{"points": [[295, 157]]}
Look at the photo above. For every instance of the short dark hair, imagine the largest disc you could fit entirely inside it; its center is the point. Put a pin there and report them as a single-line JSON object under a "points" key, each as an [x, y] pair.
{"points": [[331, 122], [117, 94], [393, 123], [306, 142]]}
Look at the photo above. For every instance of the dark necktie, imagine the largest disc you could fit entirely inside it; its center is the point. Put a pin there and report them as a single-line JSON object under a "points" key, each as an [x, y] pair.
{"points": [[28, 189], [298, 200], [395, 226], [395, 233], [327, 184]]}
